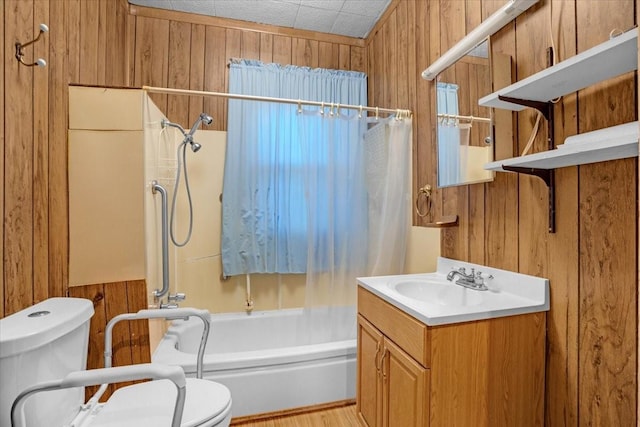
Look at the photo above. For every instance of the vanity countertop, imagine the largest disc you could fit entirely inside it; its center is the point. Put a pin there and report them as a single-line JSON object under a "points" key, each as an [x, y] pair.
{"points": [[434, 300]]}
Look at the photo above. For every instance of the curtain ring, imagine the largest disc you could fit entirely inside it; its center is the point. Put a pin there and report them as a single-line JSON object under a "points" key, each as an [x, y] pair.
{"points": [[322, 108], [299, 106], [331, 109], [426, 191], [377, 113], [338, 109], [360, 112]]}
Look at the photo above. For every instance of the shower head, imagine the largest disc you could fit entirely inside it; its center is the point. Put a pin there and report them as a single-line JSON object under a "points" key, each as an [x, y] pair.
{"points": [[207, 119], [203, 118], [195, 146]]}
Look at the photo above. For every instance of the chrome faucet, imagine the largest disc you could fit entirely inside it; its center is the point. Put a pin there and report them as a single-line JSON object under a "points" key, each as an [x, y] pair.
{"points": [[474, 281]]}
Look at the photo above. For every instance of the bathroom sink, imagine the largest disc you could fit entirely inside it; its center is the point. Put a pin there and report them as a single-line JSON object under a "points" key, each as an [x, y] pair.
{"points": [[434, 300], [445, 294]]}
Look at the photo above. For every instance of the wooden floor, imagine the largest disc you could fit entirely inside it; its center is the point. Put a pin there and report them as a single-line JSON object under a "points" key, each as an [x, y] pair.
{"points": [[344, 416]]}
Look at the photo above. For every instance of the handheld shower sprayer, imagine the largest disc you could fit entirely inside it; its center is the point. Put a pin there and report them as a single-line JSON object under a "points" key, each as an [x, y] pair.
{"points": [[188, 137], [182, 161], [204, 118]]}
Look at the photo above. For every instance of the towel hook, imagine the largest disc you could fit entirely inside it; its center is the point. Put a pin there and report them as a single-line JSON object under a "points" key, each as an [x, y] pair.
{"points": [[20, 54]]}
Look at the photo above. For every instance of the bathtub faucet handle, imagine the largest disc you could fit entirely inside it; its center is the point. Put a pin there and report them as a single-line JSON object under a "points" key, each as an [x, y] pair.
{"points": [[177, 297], [168, 305]]}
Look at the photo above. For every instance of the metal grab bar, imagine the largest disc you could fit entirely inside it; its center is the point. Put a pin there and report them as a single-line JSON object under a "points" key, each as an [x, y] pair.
{"points": [[159, 293], [114, 375], [173, 314]]}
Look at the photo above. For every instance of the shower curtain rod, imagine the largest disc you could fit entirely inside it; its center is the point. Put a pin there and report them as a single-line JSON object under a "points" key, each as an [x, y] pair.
{"points": [[299, 102], [471, 119]]}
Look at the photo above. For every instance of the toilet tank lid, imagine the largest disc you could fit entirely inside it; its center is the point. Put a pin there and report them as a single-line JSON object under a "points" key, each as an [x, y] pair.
{"points": [[42, 323]]}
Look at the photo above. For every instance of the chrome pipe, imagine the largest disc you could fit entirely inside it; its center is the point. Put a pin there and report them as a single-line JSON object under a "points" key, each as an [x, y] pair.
{"points": [[159, 293]]}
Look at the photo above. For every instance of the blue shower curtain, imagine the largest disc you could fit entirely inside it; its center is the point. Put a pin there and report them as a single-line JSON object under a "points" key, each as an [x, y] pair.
{"points": [[293, 194], [448, 135]]}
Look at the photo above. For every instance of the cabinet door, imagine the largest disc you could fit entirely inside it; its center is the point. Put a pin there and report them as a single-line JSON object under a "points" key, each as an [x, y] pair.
{"points": [[369, 385], [405, 389]]}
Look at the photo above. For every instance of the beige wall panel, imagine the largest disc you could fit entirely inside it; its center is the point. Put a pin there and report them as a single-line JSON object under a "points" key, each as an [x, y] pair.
{"points": [[94, 108], [106, 236], [292, 290], [206, 170], [155, 148], [423, 250]]}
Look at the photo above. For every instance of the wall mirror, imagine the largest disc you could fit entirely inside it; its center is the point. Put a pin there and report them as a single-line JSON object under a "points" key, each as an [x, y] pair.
{"points": [[464, 129]]}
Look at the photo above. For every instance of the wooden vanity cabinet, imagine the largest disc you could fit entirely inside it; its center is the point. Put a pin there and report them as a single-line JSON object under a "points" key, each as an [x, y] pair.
{"points": [[481, 373], [393, 386]]}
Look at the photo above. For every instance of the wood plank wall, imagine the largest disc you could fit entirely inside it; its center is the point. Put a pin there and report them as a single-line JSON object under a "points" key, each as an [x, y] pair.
{"points": [[187, 51], [592, 259], [86, 44]]}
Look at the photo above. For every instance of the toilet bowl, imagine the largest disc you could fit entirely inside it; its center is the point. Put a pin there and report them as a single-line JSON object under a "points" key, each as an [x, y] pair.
{"points": [[49, 341]]}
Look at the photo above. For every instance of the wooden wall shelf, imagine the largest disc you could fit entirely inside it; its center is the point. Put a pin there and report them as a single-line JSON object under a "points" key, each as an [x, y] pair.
{"points": [[445, 221], [616, 142], [612, 58]]}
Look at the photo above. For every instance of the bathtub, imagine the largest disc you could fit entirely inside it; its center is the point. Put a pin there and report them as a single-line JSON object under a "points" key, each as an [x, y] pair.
{"points": [[266, 360]]}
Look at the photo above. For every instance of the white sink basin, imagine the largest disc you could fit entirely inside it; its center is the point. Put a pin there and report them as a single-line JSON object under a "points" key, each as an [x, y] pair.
{"points": [[446, 294], [432, 299]]}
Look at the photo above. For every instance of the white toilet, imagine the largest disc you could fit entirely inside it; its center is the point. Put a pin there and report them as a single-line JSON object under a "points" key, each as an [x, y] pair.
{"points": [[50, 340]]}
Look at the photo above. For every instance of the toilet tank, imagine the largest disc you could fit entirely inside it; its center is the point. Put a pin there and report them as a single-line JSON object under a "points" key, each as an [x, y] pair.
{"points": [[44, 342]]}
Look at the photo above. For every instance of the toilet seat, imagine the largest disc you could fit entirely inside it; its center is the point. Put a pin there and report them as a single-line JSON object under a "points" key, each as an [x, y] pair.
{"points": [[151, 404]]}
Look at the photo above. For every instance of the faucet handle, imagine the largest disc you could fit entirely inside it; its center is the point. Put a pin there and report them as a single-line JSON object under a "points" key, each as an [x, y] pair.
{"points": [[481, 280], [169, 305], [177, 297]]}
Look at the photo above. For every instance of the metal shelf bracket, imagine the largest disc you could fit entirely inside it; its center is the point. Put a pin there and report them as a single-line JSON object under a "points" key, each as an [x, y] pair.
{"points": [[547, 175]]}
